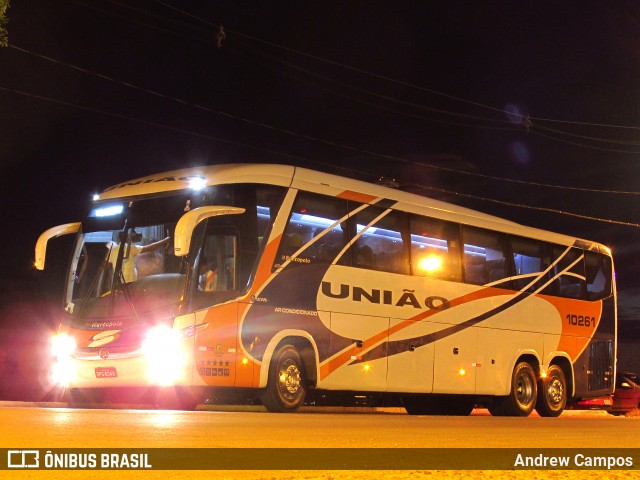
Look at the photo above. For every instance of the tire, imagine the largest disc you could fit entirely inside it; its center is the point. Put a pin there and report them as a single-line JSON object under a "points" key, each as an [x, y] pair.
{"points": [[552, 393], [417, 406], [441, 405], [524, 392], [287, 381], [460, 407]]}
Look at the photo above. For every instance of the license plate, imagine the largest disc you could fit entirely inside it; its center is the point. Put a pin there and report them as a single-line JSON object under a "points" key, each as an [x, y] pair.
{"points": [[106, 372]]}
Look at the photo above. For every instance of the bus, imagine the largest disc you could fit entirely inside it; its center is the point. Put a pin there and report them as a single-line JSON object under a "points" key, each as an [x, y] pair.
{"points": [[284, 283]]}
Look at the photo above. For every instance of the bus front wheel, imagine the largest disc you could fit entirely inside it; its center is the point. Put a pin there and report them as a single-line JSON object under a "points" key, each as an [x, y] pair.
{"points": [[287, 383], [524, 392], [552, 393]]}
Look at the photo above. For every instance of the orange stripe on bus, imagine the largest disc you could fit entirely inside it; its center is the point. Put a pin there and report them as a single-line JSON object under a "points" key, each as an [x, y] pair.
{"points": [[357, 196], [576, 334], [266, 263]]}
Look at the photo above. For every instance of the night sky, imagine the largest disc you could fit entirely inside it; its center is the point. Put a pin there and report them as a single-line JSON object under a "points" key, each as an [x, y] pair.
{"points": [[490, 105]]}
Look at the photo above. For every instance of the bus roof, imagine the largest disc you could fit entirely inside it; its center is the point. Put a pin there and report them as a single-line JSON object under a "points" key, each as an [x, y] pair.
{"points": [[324, 183]]}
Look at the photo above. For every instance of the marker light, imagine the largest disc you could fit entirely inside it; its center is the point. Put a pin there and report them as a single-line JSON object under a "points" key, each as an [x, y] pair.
{"points": [[462, 372], [165, 358], [107, 211], [197, 183]]}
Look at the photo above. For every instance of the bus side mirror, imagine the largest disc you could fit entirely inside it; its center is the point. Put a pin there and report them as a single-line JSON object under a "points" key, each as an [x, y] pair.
{"points": [[191, 219], [41, 244]]}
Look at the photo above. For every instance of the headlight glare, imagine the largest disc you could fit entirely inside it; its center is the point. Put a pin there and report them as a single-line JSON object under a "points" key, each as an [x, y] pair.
{"points": [[62, 345], [166, 359]]}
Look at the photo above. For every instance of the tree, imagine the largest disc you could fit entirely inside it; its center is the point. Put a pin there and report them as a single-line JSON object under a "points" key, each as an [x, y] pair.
{"points": [[4, 34]]}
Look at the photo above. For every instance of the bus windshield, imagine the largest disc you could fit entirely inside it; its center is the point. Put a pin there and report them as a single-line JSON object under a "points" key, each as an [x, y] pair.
{"points": [[124, 264], [125, 272]]}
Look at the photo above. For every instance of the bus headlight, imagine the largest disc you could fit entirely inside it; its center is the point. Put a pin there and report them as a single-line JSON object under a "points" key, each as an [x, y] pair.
{"points": [[63, 368], [166, 358], [62, 345]]}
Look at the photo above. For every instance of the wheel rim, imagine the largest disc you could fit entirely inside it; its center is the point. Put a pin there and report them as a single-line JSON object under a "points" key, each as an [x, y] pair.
{"points": [[525, 389], [289, 379], [555, 392]]}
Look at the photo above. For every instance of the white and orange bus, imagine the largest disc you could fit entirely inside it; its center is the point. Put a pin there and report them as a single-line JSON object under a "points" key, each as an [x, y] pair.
{"points": [[278, 281]]}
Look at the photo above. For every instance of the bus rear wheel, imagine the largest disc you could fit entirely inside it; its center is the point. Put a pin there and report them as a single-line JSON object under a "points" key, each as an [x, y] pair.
{"points": [[552, 393], [524, 392], [287, 382]]}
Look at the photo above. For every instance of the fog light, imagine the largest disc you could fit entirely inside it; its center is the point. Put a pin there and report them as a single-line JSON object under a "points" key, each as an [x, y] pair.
{"points": [[63, 370]]}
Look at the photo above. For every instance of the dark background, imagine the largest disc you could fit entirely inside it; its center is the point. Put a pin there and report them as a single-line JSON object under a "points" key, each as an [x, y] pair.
{"points": [[518, 109]]}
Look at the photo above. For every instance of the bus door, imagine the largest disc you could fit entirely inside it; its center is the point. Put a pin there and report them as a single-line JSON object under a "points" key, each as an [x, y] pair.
{"points": [[214, 283]]}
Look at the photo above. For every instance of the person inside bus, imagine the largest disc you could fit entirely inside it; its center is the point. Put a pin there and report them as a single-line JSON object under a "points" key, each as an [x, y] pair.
{"points": [[208, 276], [363, 256], [148, 263], [293, 242], [129, 261]]}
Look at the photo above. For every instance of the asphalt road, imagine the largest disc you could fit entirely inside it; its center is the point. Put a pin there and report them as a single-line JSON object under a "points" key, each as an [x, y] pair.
{"points": [[58, 428], [102, 428]]}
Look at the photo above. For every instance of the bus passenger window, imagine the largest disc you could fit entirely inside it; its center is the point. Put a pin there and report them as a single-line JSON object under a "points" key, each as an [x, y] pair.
{"points": [[379, 241], [314, 233], [570, 282], [598, 272], [530, 259], [434, 248], [484, 258]]}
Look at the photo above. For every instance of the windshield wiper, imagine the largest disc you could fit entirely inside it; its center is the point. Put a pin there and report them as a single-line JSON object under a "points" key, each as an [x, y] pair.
{"points": [[96, 285], [119, 282]]}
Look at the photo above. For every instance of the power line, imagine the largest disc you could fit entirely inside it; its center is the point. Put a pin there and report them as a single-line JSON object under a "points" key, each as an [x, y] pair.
{"points": [[533, 128], [589, 137], [389, 99], [309, 72], [530, 207], [399, 82], [163, 126], [316, 139], [530, 127], [303, 159], [140, 22], [583, 145]]}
